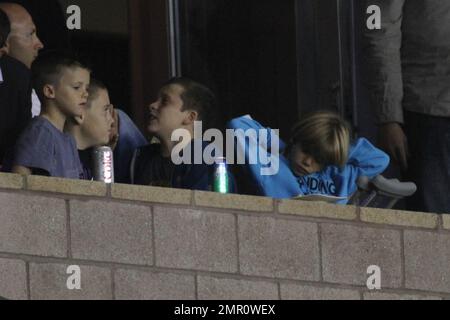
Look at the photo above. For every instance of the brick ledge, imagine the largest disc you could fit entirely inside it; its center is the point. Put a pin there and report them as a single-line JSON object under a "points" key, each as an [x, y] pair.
{"points": [[219, 201]]}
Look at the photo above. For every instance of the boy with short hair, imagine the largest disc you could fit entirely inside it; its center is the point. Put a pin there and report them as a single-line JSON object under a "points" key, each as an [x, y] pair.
{"points": [[43, 148], [318, 159], [93, 127], [181, 102]]}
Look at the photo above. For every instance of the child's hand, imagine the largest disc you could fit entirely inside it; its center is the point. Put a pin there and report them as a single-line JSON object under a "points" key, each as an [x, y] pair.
{"points": [[21, 170], [394, 141]]}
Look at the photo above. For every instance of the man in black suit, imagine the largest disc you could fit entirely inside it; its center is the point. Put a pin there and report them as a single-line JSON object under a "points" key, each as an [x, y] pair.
{"points": [[23, 42], [15, 93], [50, 19]]}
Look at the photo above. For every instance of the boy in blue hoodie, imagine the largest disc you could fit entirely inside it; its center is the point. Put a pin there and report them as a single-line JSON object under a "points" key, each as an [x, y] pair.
{"points": [[317, 160]]}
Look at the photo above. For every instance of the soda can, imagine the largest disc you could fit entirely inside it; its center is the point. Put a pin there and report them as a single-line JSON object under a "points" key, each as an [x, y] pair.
{"points": [[221, 176], [103, 166]]}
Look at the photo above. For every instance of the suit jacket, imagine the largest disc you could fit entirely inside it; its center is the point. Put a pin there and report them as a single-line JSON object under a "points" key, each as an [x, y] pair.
{"points": [[15, 103]]}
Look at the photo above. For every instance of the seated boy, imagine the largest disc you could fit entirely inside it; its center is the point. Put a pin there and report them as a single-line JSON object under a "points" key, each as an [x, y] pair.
{"points": [[318, 159], [181, 102], [93, 127], [43, 148]]}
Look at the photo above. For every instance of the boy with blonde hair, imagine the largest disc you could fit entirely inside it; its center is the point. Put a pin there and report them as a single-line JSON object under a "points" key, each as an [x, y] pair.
{"points": [[318, 159], [43, 148]]}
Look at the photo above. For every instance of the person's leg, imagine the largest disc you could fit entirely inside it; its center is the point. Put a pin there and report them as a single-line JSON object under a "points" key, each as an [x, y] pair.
{"points": [[429, 166]]}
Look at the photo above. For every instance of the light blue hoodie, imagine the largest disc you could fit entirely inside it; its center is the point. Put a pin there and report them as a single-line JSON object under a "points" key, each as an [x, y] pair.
{"points": [[364, 160]]}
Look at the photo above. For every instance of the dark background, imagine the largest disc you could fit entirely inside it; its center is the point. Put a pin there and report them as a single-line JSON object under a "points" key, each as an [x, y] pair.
{"points": [[272, 59]]}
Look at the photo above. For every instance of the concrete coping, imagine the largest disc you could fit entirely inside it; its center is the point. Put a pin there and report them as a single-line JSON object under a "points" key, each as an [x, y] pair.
{"points": [[220, 201], [400, 218]]}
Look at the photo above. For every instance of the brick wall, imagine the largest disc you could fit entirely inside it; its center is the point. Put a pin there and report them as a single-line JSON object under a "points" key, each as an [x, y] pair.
{"points": [[151, 243]]}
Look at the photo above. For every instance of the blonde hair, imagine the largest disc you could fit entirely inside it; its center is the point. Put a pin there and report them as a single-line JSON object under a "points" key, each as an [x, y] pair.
{"points": [[323, 135]]}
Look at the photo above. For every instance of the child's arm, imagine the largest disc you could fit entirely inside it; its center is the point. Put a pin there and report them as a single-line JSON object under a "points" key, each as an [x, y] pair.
{"points": [[364, 160], [367, 160], [33, 153], [246, 122], [274, 177]]}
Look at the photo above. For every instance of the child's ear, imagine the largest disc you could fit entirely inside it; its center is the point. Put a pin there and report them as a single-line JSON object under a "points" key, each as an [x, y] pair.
{"points": [[190, 118], [49, 91]]}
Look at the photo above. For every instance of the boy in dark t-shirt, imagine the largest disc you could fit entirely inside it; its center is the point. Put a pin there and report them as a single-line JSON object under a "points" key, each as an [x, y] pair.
{"points": [[150, 168], [181, 102], [43, 148]]}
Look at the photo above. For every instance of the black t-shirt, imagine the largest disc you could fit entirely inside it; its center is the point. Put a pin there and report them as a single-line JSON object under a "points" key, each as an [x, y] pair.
{"points": [[151, 168]]}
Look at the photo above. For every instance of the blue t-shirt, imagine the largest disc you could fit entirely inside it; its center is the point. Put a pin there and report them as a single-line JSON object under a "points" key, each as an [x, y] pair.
{"points": [[45, 149], [130, 139], [364, 160]]}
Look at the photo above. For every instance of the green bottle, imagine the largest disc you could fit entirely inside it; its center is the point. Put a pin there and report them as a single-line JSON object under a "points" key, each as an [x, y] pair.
{"points": [[221, 177]]}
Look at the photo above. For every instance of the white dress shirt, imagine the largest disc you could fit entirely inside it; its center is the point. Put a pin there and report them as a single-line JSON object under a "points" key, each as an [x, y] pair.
{"points": [[36, 104]]}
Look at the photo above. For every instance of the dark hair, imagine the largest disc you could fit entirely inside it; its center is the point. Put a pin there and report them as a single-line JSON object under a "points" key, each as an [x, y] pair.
{"points": [[5, 28], [48, 69], [197, 97], [94, 87]]}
